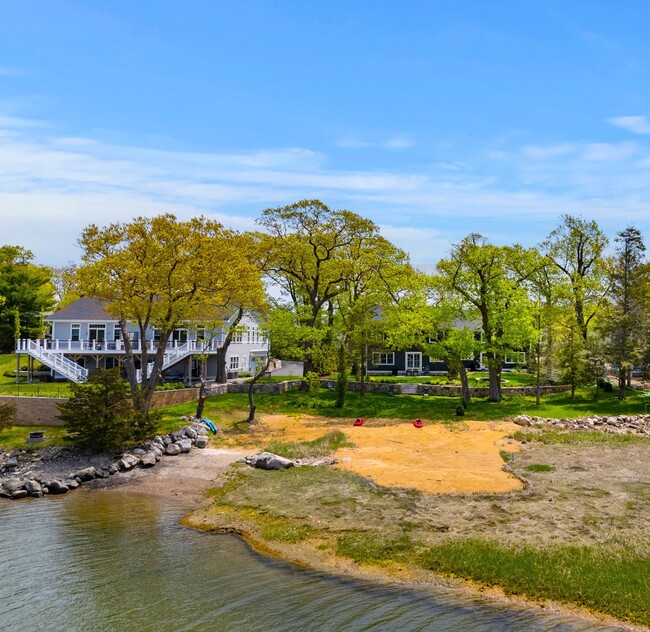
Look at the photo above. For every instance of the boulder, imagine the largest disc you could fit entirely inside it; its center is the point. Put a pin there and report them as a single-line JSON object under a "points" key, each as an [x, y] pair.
{"points": [[138, 452], [185, 445], [522, 420], [33, 487], [128, 462], [11, 463], [177, 435], [190, 433], [71, 483], [173, 449], [20, 493], [148, 459], [85, 474], [57, 487], [269, 461], [201, 441]]}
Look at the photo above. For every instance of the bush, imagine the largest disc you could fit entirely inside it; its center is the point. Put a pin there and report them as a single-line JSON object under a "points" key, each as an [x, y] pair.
{"points": [[460, 410], [244, 374], [170, 386], [605, 384], [313, 383], [7, 415], [100, 416]]}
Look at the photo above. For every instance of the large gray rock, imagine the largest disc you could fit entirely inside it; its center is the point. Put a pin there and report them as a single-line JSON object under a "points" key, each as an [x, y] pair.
{"points": [[57, 487], [269, 461], [201, 441], [128, 462], [33, 487], [12, 484], [148, 459], [138, 451], [190, 433], [85, 474], [71, 483], [173, 449], [20, 493], [11, 463], [185, 445]]}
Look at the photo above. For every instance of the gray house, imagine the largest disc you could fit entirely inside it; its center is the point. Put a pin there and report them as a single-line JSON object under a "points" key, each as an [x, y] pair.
{"points": [[85, 337]]}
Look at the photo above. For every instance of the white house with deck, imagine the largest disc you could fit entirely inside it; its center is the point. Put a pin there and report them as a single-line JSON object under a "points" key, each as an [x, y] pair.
{"points": [[85, 337]]}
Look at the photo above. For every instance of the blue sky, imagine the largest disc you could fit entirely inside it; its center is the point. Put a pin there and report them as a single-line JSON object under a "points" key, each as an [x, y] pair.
{"points": [[434, 119]]}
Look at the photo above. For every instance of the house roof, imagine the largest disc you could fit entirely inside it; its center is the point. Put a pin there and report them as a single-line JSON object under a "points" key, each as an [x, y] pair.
{"points": [[82, 309]]}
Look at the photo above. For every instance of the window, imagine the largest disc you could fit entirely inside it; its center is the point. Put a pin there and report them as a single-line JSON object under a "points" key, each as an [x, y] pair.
{"points": [[110, 362], [200, 333], [117, 332], [383, 358], [97, 332], [156, 334], [413, 361], [237, 336], [179, 335], [515, 357], [233, 363], [75, 332]]}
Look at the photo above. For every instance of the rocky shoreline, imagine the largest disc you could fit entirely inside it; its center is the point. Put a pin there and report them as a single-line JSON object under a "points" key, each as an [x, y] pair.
{"points": [[57, 470], [620, 424]]}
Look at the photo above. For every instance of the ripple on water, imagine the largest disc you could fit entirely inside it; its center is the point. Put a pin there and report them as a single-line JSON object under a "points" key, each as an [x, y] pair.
{"points": [[107, 560]]}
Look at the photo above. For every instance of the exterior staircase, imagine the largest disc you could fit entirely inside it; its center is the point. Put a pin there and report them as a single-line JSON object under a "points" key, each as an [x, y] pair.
{"points": [[173, 356], [408, 389], [54, 360]]}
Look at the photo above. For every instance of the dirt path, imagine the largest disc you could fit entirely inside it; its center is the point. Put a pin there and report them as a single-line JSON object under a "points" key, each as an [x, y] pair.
{"points": [[440, 458]]}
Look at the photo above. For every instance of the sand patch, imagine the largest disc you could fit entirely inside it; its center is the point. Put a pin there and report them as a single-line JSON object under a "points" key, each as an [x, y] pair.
{"points": [[440, 458]]}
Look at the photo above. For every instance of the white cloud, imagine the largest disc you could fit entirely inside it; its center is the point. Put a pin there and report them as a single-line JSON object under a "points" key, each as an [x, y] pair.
{"points": [[547, 151], [394, 143], [634, 124]]}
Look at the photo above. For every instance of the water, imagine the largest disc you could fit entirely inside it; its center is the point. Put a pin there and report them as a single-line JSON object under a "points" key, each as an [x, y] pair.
{"points": [[114, 561]]}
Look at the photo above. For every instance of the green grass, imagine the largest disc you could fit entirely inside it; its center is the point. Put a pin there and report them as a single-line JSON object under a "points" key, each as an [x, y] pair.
{"points": [[539, 467], [16, 437], [549, 436], [8, 385], [374, 547], [613, 580], [408, 407], [322, 446]]}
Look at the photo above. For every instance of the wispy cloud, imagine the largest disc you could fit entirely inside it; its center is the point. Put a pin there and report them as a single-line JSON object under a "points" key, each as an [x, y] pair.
{"points": [[634, 124], [52, 186], [394, 143]]}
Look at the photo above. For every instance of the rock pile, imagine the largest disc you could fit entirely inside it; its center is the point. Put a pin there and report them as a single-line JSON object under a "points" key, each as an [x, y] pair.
{"points": [[620, 424], [25, 475]]}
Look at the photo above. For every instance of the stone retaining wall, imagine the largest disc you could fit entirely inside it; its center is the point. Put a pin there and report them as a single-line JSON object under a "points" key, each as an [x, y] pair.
{"points": [[267, 388], [43, 411], [35, 411], [444, 391]]}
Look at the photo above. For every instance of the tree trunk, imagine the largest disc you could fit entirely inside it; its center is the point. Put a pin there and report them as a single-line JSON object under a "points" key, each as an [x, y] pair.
{"points": [[464, 384], [364, 371], [251, 389], [538, 374], [342, 378], [222, 370], [201, 401], [621, 383], [494, 373]]}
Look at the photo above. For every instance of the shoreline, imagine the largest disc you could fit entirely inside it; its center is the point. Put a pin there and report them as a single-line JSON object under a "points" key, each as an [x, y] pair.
{"points": [[193, 474]]}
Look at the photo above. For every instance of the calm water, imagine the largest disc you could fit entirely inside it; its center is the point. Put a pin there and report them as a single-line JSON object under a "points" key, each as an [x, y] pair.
{"points": [[109, 560]]}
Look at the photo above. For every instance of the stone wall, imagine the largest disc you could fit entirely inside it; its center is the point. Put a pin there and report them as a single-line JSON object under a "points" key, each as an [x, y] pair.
{"points": [[43, 411], [267, 388], [444, 391], [35, 411]]}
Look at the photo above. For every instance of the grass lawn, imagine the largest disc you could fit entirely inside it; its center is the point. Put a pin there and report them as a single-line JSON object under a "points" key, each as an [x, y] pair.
{"points": [[477, 378], [16, 437], [232, 408], [8, 385]]}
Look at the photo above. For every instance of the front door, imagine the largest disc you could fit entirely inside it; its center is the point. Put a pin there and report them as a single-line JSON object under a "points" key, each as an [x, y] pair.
{"points": [[179, 335], [413, 361], [97, 333]]}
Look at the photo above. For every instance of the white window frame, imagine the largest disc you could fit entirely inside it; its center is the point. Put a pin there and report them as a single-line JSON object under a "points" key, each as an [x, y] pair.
{"points": [[378, 356], [97, 327], [233, 363], [413, 355], [117, 332], [76, 326], [515, 357]]}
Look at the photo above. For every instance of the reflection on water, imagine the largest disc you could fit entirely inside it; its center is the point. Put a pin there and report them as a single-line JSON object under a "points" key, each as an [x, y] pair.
{"points": [[113, 561]]}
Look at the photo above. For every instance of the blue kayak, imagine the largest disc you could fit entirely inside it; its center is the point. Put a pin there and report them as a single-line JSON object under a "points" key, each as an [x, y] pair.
{"points": [[210, 425]]}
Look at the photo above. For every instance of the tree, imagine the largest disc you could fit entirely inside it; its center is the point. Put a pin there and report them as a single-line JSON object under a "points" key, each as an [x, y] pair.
{"points": [[7, 415], [573, 356], [26, 292], [576, 248], [163, 273], [490, 281], [310, 253], [100, 416], [624, 326]]}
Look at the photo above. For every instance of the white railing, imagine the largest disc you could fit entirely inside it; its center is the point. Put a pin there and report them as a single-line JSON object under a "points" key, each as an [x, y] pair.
{"points": [[55, 360], [117, 346]]}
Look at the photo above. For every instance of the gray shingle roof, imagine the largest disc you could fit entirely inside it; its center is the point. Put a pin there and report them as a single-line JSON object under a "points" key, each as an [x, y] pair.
{"points": [[82, 309]]}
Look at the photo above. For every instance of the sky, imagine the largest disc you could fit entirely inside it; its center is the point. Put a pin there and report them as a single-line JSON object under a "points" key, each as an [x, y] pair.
{"points": [[433, 118]]}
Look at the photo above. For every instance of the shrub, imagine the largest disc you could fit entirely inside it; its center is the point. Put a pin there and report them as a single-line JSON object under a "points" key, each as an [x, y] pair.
{"points": [[7, 415], [605, 384], [244, 374], [460, 410], [313, 383], [100, 416]]}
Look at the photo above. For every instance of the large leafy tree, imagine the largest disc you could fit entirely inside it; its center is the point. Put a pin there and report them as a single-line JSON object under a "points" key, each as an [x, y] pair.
{"points": [[490, 281], [26, 293], [577, 249], [164, 273], [314, 254]]}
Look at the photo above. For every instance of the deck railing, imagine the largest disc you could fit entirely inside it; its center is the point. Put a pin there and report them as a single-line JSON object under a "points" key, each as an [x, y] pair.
{"points": [[117, 346]]}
